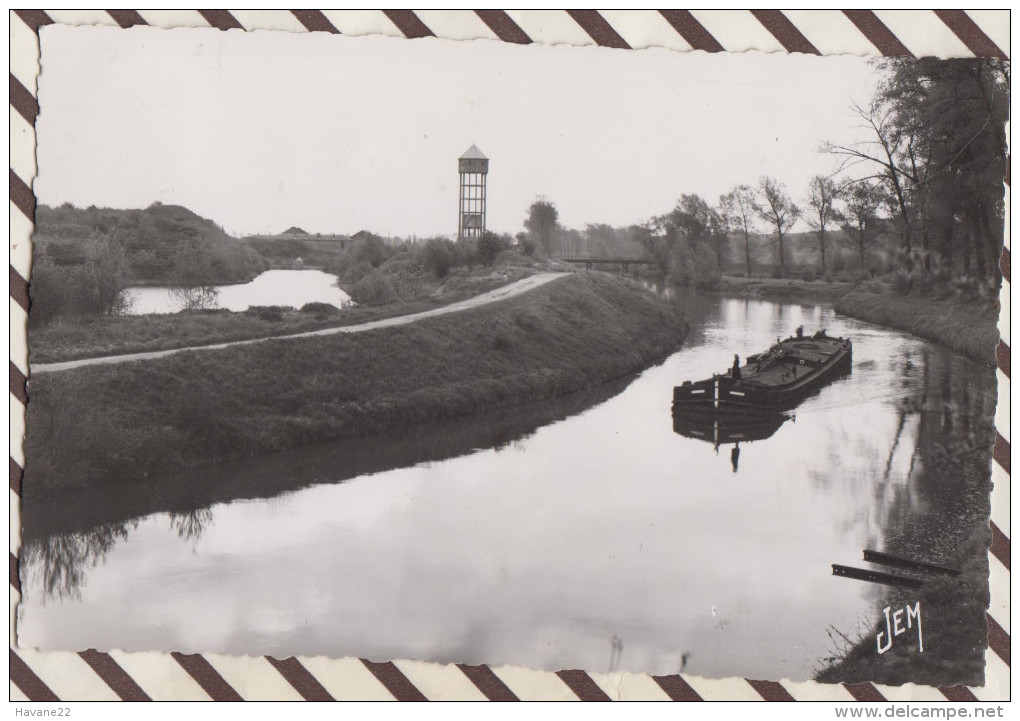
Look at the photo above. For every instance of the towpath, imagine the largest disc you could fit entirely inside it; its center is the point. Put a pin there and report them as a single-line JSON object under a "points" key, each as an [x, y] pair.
{"points": [[507, 291]]}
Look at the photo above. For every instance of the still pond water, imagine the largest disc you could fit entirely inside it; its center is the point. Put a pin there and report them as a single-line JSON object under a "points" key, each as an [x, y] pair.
{"points": [[578, 533], [291, 288]]}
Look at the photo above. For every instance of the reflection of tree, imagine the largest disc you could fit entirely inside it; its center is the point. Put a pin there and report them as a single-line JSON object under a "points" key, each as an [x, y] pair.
{"points": [[190, 525], [60, 562]]}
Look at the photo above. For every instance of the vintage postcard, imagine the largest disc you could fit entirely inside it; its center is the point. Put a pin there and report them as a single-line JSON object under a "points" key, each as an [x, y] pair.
{"points": [[470, 352]]}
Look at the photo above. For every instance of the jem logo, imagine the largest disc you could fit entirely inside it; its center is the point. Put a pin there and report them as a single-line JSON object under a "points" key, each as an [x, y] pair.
{"points": [[894, 626]]}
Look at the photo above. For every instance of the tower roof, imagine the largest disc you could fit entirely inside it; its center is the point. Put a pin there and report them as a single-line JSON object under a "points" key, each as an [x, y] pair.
{"points": [[473, 153]]}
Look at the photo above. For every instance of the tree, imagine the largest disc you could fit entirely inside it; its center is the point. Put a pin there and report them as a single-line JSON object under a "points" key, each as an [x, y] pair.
{"points": [[107, 269], [863, 199], [738, 214], [775, 207], [490, 246], [822, 195], [542, 224]]}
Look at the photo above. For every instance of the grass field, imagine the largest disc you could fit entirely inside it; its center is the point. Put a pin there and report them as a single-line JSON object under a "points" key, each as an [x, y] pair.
{"points": [[129, 421]]}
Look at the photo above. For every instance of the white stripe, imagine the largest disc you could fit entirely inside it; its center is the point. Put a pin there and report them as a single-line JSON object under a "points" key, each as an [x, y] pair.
{"points": [[1000, 498], [158, 675], [440, 682], [1002, 408], [456, 24], [550, 27], [998, 583], [813, 691], [831, 32], [174, 18], [14, 508], [17, 427], [81, 17], [924, 33], [22, 146], [253, 677], [24, 53], [629, 686], [725, 689], [16, 694], [997, 675], [362, 22], [67, 675], [530, 685], [18, 347], [994, 24], [738, 31], [645, 29], [346, 679], [269, 20], [20, 241], [911, 692]]}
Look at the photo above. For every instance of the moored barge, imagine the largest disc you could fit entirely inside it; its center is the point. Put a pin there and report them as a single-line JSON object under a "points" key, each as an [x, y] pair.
{"points": [[772, 381]]}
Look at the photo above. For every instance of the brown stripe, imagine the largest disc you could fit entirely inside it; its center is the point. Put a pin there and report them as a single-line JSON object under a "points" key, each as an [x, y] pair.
{"points": [[599, 30], [18, 383], [864, 692], [127, 19], [16, 475], [971, 35], [504, 26], [998, 639], [785, 31], [771, 690], [221, 19], [207, 677], [15, 573], [302, 681], [409, 23], [395, 681], [22, 196], [31, 685], [114, 676], [34, 18], [1004, 264], [487, 682], [877, 32], [691, 30], [1001, 452], [22, 101], [676, 688], [957, 693], [1002, 357], [19, 289], [314, 21], [581, 684], [1000, 545]]}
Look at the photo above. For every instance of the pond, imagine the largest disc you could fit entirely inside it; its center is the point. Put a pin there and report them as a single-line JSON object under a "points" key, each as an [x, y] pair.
{"points": [[584, 532], [291, 288]]}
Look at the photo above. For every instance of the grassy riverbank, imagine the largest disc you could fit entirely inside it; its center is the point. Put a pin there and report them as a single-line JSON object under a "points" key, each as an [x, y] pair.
{"points": [[966, 328], [99, 335], [102, 424]]}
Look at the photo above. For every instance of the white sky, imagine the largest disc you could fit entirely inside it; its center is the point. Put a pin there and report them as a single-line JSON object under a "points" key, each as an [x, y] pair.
{"points": [[260, 131]]}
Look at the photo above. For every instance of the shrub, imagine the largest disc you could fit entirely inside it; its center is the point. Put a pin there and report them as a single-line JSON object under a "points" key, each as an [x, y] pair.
{"points": [[438, 256], [272, 313], [320, 309], [901, 282], [490, 246], [809, 276], [374, 289]]}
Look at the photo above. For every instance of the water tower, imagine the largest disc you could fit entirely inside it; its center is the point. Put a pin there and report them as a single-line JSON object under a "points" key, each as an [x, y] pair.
{"points": [[474, 167]]}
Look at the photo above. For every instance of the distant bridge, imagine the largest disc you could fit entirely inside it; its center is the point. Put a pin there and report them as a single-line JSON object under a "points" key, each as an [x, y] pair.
{"points": [[590, 260]]}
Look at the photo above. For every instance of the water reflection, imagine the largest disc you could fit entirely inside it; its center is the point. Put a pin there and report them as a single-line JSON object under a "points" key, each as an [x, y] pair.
{"points": [[725, 429], [583, 533]]}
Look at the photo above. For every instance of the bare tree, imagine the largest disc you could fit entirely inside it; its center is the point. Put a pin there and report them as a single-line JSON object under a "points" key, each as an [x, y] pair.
{"points": [[863, 199], [776, 208], [823, 213], [738, 213]]}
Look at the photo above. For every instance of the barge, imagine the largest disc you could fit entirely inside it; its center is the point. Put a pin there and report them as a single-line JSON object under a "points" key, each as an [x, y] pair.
{"points": [[769, 382]]}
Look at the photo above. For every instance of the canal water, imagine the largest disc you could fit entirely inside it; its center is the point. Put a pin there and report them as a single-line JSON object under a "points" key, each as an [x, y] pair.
{"points": [[579, 533], [291, 288]]}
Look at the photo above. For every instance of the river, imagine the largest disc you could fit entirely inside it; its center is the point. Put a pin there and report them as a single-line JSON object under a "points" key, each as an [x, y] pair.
{"points": [[291, 288], [582, 532]]}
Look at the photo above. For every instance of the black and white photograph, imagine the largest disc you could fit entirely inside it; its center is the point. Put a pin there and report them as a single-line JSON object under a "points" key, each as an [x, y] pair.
{"points": [[542, 356]]}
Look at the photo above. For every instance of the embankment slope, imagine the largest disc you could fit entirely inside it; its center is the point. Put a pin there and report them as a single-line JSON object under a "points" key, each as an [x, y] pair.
{"points": [[105, 424]]}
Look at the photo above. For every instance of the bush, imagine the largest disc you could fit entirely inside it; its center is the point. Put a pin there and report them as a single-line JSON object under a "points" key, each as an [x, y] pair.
{"points": [[320, 309], [438, 257], [272, 313], [901, 282], [374, 289], [490, 246], [809, 276]]}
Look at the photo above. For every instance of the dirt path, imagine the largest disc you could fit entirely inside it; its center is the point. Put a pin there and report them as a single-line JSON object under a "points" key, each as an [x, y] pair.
{"points": [[507, 291]]}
